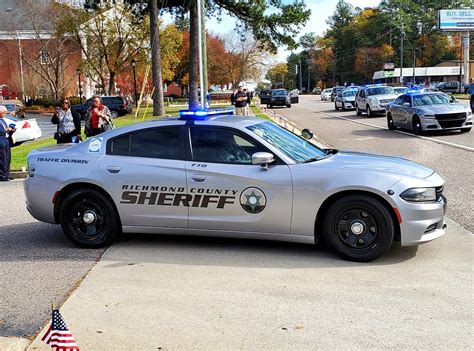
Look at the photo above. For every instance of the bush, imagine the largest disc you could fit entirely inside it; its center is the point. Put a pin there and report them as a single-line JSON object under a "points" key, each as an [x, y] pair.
{"points": [[46, 102], [75, 100]]}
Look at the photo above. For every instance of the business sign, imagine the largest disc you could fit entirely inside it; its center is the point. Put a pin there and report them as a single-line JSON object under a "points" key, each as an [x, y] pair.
{"points": [[456, 20], [389, 66]]}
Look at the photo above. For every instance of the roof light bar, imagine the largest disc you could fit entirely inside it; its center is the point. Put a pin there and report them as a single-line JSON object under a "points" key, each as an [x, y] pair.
{"points": [[203, 114]]}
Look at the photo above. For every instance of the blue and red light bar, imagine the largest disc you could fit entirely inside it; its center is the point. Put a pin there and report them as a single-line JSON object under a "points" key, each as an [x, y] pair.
{"points": [[203, 114]]}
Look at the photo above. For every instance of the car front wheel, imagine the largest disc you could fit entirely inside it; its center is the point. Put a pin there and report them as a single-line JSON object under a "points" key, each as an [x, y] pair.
{"points": [[88, 218], [417, 126], [369, 112], [359, 228], [358, 111], [390, 124]]}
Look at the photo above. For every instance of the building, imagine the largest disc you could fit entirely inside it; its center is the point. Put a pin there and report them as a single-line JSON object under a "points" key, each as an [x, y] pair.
{"points": [[443, 72], [21, 37]]}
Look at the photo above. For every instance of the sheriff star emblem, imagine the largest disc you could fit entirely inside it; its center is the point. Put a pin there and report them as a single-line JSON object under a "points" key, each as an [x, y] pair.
{"points": [[253, 200]]}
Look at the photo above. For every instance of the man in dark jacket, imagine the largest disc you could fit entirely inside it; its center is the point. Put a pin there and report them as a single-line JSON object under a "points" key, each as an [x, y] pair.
{"points": [[69, 123], [5, 140], [240, 103]]}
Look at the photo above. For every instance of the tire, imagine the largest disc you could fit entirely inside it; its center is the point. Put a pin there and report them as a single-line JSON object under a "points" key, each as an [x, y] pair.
{"points": [[114, 114], [358, 111], [465, 130], [271, 106], [390, 124], [416, 125], [101, 232], [343, 107], [289, 106], [358, 212], [335, 107], [369, 112]]}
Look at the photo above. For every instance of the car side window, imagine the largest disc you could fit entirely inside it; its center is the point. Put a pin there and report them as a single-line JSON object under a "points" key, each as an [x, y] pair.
{"points": [[162, 143], [399, 101], [218, 145], [406, 99], [362, 93]]}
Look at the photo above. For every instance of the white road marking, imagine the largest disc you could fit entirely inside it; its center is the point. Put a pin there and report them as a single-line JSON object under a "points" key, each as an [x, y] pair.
{"points": [[438, 141]]}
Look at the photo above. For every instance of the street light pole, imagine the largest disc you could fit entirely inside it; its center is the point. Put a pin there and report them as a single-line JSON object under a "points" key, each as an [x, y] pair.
{"points": [[200, 43], [134, 63], [78, 72]]}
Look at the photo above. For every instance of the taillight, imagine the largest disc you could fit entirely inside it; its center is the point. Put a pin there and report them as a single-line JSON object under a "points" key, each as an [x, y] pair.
{"points": [[26, 125]]}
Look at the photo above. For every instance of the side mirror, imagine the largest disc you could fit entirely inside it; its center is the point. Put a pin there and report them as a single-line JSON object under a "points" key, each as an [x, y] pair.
{"points": [[452, 99], [263, 159], [307, 134], [406, 104]]}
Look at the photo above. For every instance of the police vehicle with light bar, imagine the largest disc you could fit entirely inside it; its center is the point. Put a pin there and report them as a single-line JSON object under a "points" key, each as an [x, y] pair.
{"points": [[373, 99], [422, 111], [210, 173]]}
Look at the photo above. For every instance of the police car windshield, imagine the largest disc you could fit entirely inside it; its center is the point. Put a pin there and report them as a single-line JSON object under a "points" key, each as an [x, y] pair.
{"points": [[290, 144], [279, 92], [430, 99], [379, 91]]}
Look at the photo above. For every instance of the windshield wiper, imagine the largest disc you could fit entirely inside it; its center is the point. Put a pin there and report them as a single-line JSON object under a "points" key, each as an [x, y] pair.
{"points": [[312, 159], [331, 151]]}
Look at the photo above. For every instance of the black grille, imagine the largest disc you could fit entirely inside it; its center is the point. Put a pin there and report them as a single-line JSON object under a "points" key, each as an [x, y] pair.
{"points": [[451, 120]]}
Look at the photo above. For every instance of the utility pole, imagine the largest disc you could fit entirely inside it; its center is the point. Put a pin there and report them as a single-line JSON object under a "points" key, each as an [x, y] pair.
{"points": [[301, 77], [401, 54], [200, 45], [466, 45], [21, 67], [460, 65], [204, 49]]}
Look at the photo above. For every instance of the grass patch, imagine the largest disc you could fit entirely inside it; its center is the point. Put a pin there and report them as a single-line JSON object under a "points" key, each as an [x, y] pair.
{"points": [[462, 96], [19, 153]]}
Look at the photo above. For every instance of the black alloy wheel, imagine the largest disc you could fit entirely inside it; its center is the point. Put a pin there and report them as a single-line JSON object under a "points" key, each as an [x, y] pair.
{"points": [[88, 218], [390, 124], [359, 228], [417, 126]]}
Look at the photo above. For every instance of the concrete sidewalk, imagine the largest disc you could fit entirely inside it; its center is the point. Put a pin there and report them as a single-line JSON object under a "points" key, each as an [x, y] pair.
{"points": [[182, 293]]}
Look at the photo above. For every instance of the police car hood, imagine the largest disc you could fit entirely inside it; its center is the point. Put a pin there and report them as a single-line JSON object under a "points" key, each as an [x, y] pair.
{"points": [[385, 96], [444, 108], [349, 98], [348, 161]]}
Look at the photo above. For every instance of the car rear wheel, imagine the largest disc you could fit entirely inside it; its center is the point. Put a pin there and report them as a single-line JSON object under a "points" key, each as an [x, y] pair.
{"points": [[465, 130], [358, 228], [390, 124], [417, 126], [88, 218], [358, 111], [114, 114]]}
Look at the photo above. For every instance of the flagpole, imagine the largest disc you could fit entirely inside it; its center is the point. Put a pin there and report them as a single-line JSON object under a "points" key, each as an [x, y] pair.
{"points": [[201, 70]]}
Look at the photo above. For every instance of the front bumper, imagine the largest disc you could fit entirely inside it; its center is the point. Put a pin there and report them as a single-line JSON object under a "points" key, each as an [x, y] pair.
{"points": [[428, 124]]}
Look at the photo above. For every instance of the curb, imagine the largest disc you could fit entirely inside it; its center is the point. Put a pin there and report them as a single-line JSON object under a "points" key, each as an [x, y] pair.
{"points": [[18, 174]]}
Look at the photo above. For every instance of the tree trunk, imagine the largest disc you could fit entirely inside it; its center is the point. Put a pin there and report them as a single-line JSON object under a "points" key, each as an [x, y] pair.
{"points": [[158, 101], [111, 89], [193, 57]]}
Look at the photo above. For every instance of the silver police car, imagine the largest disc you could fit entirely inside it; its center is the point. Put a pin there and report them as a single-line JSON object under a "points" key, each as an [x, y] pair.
{"points": [[219, 175], [423, 111]]}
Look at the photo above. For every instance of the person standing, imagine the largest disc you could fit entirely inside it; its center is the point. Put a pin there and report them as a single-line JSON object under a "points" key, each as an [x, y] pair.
{"points": [[98, 118], [471, 92], [232, 97], [5, 142], [240, 102], [69, 123]]}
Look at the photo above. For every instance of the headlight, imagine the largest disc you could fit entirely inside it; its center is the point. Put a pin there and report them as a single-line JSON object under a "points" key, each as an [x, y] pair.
{"points": [[419, 195], [469, 114], [428, 116]]}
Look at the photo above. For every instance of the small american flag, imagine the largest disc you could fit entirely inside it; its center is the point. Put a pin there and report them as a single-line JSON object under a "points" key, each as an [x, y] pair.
{"points": [[58, 335]]}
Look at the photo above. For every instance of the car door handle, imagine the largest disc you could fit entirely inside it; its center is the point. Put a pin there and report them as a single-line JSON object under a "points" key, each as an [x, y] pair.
{"points": [[198, 179], [113, 170]]}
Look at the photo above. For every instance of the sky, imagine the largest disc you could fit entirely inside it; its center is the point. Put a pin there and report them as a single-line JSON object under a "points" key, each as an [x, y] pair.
{"points": [[320, 11]]}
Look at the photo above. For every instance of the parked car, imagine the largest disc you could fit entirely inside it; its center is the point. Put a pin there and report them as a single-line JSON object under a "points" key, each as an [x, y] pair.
{"points": [[15, 108], [334, 92], [265, 97], [317, 91], [425, 111], [326, 94], [279, 97], [449, 87], [117, 105], [345, 99], [400, 90], [245, 178], [26, 129], [373, 99], [294, 96]]}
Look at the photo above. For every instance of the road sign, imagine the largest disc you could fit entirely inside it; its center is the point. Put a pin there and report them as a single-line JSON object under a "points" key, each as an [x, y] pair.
{"points": [[456, 20]]}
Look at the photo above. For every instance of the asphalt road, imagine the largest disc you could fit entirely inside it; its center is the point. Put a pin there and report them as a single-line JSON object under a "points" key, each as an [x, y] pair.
{"points": [[38, 265], [346, 131]]}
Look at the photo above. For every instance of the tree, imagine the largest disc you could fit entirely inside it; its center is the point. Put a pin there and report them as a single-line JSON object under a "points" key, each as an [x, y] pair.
{"points": [[49, 56], [278, 75], [109, 38]]}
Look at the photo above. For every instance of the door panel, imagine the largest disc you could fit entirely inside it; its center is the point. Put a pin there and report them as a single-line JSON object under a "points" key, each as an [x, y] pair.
{"points": [[239, 197]]}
